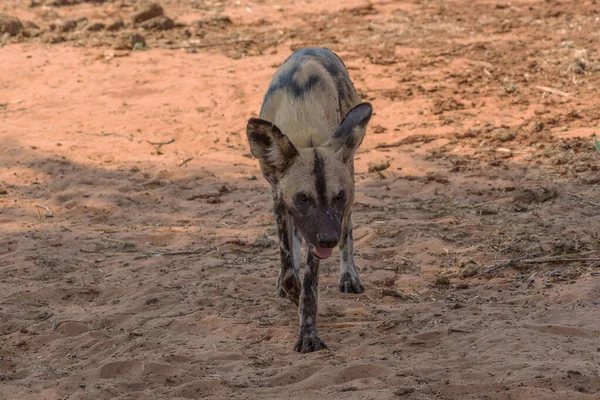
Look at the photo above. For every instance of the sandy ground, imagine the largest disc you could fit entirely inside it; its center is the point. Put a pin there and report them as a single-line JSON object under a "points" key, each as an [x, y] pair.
{"points": [[138, 252]]}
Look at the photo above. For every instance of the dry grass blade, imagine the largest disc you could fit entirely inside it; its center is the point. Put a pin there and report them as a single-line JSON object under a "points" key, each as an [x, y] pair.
{"points": [[553, 91], [497, 266]]}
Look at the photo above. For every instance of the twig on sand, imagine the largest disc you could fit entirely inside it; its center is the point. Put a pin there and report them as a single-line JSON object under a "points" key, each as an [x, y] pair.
{"points": [[553, 91], [485, 203], [185, 253], [343, 325], [204, 250], [119, 241], [161, 143], [558, 259], [396, 293], [530, 259], [510, 262], [185, 161], [48, 212], [213, 44], [584, 199]]}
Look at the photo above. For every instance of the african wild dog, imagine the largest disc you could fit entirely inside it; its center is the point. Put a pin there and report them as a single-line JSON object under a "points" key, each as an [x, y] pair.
{"points": [[311, 123]]}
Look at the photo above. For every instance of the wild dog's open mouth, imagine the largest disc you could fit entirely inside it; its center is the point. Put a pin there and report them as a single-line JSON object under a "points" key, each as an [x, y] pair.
{"points": [[322, 252]]}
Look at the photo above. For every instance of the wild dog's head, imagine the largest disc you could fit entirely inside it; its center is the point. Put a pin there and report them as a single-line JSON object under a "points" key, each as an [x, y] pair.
{"points": [[315, 184]]}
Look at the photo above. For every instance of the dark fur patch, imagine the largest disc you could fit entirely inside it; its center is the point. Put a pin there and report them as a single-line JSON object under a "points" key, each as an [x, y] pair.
{"points": [[260, 138], [264, 136], [320, 183], [332, 64], [289, 82], [359, 117]]}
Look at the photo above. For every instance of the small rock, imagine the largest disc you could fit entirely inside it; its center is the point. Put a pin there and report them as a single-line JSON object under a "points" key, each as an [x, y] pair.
{"points": [[10, 24], [469, 271], [95, 27], [510, 89], [403, 391], [379, 129], [263, 242], [213, 22], [161, 23], [252, 178], [115, 25], [152, 300], [579, 66], [151, 11], [538, 127], [567, 44], [53, 38], [63, 26], [129, 41], [380, 166], [537, 194], [504, 135], [442, 281], [30, 25]]}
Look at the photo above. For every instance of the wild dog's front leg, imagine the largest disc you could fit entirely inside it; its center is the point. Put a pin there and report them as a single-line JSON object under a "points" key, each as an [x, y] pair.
{"points": [[308, 337], [349, 280], [288, 282]]}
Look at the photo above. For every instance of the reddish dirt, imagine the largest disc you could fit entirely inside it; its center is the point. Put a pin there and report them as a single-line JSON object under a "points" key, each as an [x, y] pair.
{"points": [[151, 274]]}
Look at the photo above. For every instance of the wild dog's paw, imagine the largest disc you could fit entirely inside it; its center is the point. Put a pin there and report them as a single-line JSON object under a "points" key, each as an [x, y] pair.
{"points": [[289, 287], [307, 343], [350, 283]]}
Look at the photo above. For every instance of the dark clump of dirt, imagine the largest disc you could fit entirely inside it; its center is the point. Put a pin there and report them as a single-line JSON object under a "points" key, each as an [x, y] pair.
{"points": [[10, 25]]}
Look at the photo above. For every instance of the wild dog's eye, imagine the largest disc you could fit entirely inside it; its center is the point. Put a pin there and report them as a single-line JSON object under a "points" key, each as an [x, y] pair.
{"points": [[302, 197], [341, 195]]}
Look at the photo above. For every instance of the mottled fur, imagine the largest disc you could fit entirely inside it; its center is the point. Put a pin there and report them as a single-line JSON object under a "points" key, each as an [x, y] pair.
{"points": [[311, 123]]}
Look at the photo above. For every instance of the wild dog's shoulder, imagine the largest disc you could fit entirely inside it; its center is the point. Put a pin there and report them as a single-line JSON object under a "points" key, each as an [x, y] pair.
{"points": [[309, 70]]}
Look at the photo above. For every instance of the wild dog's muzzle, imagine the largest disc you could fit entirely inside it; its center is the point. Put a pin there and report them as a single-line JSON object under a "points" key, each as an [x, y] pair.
{"points": [[327, 241]]}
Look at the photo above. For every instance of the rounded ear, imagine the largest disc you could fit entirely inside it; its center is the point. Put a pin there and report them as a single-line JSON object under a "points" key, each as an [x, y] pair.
{"points": [[350, 133], [269, 144]]}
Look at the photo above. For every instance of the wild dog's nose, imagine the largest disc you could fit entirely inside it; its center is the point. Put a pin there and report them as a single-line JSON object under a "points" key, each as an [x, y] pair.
{"points": [[328, 240]]}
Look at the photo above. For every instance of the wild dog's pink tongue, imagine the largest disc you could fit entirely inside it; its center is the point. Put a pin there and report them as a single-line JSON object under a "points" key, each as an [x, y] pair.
{"points": [[322, 253]]}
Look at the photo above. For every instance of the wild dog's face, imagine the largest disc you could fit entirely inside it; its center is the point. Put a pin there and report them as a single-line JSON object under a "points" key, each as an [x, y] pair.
{"points": [[315, 185]]}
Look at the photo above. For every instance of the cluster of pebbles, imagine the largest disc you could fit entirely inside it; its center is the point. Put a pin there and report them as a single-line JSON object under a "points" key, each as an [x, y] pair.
{"points": [[124, 34]]}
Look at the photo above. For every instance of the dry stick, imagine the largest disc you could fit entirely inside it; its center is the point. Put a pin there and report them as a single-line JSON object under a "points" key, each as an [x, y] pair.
{"points": [[184, 253], [205, 45], [510, 262], [550, 260], [161, 143], [183, 162], [118, 241], [584, 199], [201, 46], [48, 212], [553, 91], [181, 314], [480, 204], [397, 294], [342, 325], [206, 249]]}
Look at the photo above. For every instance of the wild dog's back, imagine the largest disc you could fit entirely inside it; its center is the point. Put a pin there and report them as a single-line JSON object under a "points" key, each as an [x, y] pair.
{"points": [[309, 96]]}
